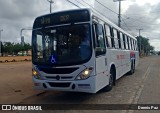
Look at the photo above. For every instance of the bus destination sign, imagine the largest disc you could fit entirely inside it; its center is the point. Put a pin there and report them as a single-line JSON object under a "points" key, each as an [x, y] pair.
{"points": [[62, 18]]}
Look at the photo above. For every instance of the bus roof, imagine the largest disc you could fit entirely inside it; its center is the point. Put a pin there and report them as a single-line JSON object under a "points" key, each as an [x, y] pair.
{"points": [[92, 13]]}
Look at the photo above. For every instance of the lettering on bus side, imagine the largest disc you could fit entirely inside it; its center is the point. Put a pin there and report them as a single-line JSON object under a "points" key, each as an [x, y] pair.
{"points": [[120, 57]]}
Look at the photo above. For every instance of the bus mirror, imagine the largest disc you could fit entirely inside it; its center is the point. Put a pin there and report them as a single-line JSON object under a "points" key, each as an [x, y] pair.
{"points": [[99, 29]]}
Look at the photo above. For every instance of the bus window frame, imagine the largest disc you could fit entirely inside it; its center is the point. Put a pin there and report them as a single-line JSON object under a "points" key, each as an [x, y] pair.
{"points": [[128, 41], [124, 41], [119, 39], [115, 31], [96, 39], [108, 37]]}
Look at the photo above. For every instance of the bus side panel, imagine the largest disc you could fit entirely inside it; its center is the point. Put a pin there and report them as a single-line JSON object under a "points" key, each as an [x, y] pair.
{"points": [[113, 57], [102, 78], [126, 61]]}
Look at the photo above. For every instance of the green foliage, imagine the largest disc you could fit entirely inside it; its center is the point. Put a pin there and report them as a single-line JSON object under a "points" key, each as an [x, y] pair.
{"points": [[13, 48], [144, 44]]}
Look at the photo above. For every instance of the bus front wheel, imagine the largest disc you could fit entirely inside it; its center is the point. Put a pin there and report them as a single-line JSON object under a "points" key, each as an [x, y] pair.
{"points": [[111, 81]]}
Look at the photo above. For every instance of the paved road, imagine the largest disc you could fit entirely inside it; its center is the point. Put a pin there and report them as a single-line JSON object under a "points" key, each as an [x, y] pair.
{"points": [[143, 87]]}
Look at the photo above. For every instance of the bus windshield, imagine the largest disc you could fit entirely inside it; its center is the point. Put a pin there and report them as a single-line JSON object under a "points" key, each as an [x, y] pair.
{"points": [[65, 45]]}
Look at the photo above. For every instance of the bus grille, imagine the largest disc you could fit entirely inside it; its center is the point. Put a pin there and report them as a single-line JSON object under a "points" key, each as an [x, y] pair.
{"points": [[61, 78], [59, 84], [58, 70]]}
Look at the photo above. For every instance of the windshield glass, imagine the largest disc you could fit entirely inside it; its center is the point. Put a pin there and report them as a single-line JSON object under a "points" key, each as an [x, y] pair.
{"points": [[67, 45]]}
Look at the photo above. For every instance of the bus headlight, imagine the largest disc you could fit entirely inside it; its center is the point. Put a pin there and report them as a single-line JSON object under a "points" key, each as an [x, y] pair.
{"points": [[85, 74], [35, 73]]}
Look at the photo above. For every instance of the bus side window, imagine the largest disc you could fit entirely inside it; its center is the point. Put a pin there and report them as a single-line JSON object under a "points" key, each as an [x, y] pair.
{"points": [[108, 35], [112, 38], [116, 45], [136, 46], [132, 44], [129, 44], [124, 42], [100, 41], [121, 40]]}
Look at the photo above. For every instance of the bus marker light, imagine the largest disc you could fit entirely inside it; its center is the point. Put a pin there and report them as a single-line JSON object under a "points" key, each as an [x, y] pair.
{"points": [[35, 72]]}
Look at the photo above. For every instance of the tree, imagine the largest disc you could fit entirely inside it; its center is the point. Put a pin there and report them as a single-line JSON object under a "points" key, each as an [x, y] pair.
{"points": [[10, 48], [27, 46], [144, 44], [16, 48]]}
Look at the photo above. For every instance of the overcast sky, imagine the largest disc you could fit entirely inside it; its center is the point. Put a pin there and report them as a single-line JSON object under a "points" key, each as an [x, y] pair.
{"points": [[136, 14]]}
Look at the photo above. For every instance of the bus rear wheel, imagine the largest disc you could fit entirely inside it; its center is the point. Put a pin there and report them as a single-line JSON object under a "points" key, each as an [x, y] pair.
{"points": [[132, 68]]}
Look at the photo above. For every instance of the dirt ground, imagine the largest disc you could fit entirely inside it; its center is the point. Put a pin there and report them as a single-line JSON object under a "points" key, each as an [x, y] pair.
{"points": [[16, 82], [15, 58]]}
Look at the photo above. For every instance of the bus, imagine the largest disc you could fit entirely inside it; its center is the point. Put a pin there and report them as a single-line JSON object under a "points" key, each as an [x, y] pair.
{"points": [[80, 51]]}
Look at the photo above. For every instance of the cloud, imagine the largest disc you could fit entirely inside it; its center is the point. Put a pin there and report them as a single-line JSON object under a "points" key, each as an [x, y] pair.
{"points": [[146, 17], [18, 14]]}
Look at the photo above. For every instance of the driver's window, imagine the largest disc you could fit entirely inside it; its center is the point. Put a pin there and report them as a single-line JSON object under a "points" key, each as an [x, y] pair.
{"points": [[39, 46]]}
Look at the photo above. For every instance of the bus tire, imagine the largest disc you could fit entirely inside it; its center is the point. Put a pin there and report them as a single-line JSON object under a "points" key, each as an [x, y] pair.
{"points": [[132, 68], [111, 81]]}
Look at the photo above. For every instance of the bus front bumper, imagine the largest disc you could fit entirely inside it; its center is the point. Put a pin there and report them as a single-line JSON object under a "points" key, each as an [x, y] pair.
{"points": [[87, 85]]}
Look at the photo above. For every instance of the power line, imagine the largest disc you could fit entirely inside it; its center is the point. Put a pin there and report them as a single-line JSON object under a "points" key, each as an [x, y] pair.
{"points": [[83, 5], [97, 10], [126, 24], [142, 22], [74, 4], [106, 7], [144, 13]]}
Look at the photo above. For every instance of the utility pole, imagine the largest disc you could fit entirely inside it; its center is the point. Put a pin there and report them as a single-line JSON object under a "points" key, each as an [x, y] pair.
{"points": [[22, 37], [0, 43], [140, 39], [51, 2], [119, 15]]}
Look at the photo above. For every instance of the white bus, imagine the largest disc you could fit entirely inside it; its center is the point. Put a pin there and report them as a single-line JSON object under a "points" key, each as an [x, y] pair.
{"points": [[80, 51]]}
